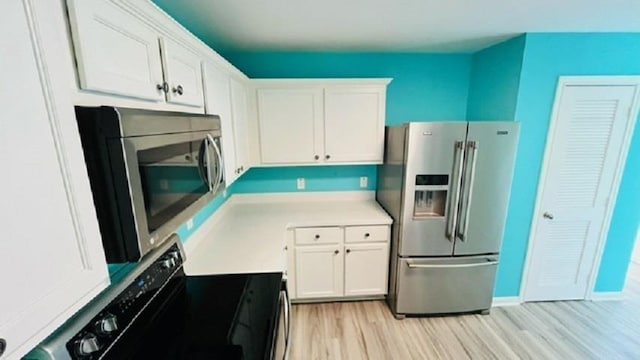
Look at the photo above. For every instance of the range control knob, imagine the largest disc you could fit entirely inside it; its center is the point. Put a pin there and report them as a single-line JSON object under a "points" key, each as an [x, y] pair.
{"points": [[87, 345], [107, 325], [175, 255], [168, 263]]}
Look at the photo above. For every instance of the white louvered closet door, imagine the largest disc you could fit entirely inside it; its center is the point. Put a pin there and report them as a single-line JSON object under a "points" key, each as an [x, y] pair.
{"points": [[586, 146]]}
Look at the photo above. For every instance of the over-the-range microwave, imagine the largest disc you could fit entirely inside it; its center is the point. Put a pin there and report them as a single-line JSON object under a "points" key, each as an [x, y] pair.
{"points": [[149, 171]]}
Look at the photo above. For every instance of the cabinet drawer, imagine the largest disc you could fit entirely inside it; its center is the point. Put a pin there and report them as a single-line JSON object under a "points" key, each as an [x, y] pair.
{"points": [[323, 235], [373, 233]]}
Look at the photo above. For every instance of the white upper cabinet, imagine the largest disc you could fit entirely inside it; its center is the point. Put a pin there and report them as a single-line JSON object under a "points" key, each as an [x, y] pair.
{"points": [[217, 101], [116, 53], [290, 123], [240, 123], [182, 73], [354, 123], [53, 257], [321, 121]]}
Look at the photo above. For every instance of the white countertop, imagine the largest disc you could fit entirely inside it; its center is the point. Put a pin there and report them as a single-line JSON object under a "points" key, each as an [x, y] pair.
{"points": [[248, 233]]}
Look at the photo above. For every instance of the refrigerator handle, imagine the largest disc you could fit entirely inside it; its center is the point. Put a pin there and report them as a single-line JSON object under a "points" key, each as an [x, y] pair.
{"points": [[455, 190], [468, 187]]}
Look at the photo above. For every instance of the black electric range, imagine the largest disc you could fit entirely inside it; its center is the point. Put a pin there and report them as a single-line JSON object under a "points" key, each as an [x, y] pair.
{"points": [[157, 312]]}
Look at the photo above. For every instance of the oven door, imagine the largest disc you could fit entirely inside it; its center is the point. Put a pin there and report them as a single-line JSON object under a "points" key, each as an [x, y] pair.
{"points": [[168, 177]]}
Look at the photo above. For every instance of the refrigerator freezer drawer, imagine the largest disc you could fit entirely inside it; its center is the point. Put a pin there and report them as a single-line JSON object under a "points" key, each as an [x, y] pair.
{"points": [[447, 285]]}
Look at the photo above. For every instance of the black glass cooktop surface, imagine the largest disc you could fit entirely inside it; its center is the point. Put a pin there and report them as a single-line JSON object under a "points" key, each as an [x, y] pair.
{"points": [[207, 317]]}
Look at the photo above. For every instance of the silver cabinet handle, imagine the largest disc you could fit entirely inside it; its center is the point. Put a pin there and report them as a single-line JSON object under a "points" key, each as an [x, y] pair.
{"points": [[337, 252], [468, 185], [455, 190], [450, 266], [327, 156], [547, 215], [178, 90], [316, 157]]}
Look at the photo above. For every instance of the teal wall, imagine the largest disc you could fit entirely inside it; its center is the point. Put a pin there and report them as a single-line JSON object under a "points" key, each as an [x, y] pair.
{"points": [[424, 87], [317, 178], [546, 57], [495, 80]]}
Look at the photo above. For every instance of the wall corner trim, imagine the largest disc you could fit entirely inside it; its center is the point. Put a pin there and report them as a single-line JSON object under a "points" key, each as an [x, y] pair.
{"points": [[501, 301], [607, 296]]}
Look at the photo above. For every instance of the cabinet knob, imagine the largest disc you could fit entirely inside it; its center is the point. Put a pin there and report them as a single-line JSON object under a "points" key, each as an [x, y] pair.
{"points": [[317, 236], [337, 252], [367, 235], [241, 168], [327, 156], [317, 157], [164, 87], [178, 89], [348, 251]]}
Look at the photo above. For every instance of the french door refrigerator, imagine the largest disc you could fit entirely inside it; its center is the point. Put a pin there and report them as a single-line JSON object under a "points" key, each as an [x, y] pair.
{"points": [[447, 187]]}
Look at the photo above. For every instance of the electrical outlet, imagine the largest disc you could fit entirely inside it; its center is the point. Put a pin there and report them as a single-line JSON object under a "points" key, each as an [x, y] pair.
{"points": [[190, 224], [164, 184], [301, 184], [364, 181]]}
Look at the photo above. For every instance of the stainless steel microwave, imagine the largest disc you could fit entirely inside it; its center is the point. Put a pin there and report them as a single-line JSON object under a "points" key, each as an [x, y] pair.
{"points": [[149, 171]]}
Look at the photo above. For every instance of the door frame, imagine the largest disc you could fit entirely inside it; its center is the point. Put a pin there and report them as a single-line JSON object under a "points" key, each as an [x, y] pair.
{"points": [[564, 81]]}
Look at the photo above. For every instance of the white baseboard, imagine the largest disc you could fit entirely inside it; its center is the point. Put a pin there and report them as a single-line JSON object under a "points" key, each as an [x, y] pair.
{"points": [[506, 301], [606, 296]]}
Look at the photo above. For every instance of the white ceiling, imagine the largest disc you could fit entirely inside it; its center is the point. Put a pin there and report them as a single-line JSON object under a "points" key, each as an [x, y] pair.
{"points": [[392, 25]]}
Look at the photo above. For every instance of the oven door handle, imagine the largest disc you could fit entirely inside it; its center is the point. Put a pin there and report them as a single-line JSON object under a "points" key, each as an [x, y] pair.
{"points": [[219, 166], [202, 171], [287, 320]]}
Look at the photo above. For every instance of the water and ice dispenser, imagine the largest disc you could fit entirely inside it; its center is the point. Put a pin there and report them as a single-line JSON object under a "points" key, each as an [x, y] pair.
{"points": [[430, 196]]}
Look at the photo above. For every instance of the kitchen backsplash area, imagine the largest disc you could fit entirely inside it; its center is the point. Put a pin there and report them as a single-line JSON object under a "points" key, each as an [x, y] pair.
{"points": [[286, 179]]}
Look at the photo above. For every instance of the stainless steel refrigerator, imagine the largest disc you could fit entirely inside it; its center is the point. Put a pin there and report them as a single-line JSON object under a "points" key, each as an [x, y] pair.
{"points": [[447, 187]]}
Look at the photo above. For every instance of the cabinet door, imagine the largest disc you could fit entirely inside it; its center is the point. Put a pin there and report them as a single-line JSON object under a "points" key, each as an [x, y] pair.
{"points": [[53, 262], [354, 124], [290, 125], [240, 123], [183, 74], [365, 269], [217, 101], [319, 271], [116, 53]]}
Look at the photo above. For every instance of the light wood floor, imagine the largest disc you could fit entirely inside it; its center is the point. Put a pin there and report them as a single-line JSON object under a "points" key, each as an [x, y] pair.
{"points": [[548, 330]]}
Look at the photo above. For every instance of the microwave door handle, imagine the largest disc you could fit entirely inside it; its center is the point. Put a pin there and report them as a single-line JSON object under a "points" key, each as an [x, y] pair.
{"points": [[473, 146], [218, 161], [208, 168], [201, 165]]}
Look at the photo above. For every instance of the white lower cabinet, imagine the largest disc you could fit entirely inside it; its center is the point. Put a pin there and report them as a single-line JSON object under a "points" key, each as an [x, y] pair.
{"points": [[365, 269], [319, 270], [330, 262]]}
